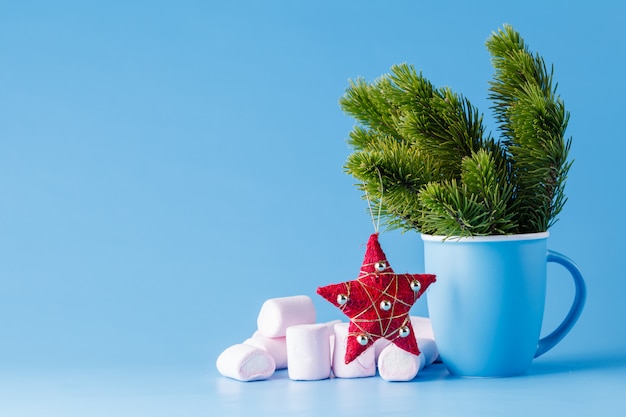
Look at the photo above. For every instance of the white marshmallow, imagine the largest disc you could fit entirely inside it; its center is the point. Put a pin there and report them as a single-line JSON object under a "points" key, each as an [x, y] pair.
{"points": [[396, 364], [422, 327], [428, 347], [331, 332], [308, 352], [379, 345], [275, 346], [363, 366], [245, 363], [277, 314]]}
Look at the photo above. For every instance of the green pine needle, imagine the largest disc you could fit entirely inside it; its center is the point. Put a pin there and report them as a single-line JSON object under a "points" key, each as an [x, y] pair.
{"points": [[424, 151]]}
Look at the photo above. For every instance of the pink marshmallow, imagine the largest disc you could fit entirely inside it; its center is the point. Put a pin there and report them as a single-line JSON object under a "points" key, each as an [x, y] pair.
{"points": [[275, 346], [277, 314], [245, 363], [363, 366], [308, 352]]}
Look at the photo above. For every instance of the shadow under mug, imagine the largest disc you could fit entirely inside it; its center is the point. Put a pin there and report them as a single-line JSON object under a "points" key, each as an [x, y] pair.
{"points": [[487, 305]]}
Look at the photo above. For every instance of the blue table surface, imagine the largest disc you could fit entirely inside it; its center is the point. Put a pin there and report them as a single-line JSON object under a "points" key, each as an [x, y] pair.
{"points": [[554, 385]]}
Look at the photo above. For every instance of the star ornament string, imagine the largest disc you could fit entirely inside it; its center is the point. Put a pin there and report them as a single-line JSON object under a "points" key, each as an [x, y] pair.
{"points": [[376, 221], [378, 301]]}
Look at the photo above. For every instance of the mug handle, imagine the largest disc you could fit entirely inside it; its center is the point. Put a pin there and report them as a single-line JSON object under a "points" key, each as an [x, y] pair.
{"points": [[548, 342]]}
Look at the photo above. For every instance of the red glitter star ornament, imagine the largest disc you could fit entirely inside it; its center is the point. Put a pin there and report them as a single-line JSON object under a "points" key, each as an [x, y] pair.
{"points": [[378, 303]]}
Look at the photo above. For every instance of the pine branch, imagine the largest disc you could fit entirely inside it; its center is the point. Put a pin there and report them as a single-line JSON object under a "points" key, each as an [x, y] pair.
{"points": [[403, 171], [486, 178], [424, 151], [533, 121], [440, 122], [451, 210], [478, 205], [539, 158], [366, 103], [515, 68]]}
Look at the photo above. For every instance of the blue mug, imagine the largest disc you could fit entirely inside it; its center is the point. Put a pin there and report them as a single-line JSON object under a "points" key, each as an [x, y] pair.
{"points": [[487, 305]]}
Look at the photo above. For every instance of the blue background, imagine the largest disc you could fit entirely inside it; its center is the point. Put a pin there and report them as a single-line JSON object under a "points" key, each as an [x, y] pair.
{"points": [[165, 167]]}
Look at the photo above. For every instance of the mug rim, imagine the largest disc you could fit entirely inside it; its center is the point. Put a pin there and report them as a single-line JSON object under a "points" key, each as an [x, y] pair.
{"points": [[491, 238]]}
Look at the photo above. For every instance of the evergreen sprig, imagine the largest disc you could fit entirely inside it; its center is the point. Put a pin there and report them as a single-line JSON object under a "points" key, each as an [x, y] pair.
{"points": [[424, 150]]}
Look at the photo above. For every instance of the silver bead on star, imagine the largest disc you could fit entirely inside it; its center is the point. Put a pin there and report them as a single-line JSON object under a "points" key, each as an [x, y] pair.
{"points": [[342, 299], [404, 331], [416, 285], [385, 305], [362, 339], [380, 266]]}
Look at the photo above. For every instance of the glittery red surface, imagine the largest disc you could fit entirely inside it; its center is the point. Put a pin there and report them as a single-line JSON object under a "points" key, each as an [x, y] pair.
{"points": [[365, 295]]}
